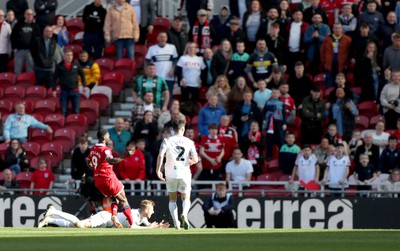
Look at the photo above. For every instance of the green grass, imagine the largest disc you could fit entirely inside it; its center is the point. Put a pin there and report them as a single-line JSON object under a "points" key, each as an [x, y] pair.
{"points": [[59, 239]]}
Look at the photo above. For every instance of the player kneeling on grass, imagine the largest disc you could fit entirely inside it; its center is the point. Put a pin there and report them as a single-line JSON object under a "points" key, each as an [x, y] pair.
{"points": [[103, 218], [181, 154]]}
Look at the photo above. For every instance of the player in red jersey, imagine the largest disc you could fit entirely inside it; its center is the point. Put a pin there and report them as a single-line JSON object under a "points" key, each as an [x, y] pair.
{"points": [[212, 150], [101, 161]]}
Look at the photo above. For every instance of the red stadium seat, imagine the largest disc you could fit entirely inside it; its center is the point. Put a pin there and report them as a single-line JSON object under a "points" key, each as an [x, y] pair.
{"points": [[140, 55], [3, 149], [45, 107], [162, 23], [7, 79], [54, 120], [24, 180], [75, 25], [76, 49], [32, 149], [350, 78], [320, 79], [106, 65], [109, 52], [368, 109], [54, 151], [361, 122], [91, 109], [273, 165], [77, 38], [40, 136], [14, 92], [327, 92], [1, 92], [265, 177], [203, 93], [37, 116], [78, 122], [114, 80], [66, 137], [36, 93], [195, 121], [26, 79], [295, 125], [374, 120], [6, 106], [356, 90], [127, 67], [50, 92], [103, 94]]}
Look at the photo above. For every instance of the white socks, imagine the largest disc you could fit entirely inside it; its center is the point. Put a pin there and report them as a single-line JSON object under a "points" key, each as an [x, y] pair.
{"points": [[185, 207], [173, 210]]}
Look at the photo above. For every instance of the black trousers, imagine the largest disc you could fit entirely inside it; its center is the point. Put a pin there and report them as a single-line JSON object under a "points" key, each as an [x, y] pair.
{"points": [[223, 220], [3, 62], [391, 119]]}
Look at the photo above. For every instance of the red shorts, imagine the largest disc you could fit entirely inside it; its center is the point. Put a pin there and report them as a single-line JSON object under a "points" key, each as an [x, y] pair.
{"points": [[110, 187]]}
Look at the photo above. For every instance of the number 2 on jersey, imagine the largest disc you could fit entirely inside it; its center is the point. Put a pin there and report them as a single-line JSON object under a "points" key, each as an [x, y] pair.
{"points": [[182, 151]]}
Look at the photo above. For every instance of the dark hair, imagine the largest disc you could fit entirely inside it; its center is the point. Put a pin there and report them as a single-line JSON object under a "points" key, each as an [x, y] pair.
{"points": [[101, 133], [298, 63], [83, 140], [364, 25], [275, 25], [150, 64], [316, 88], [392, 137], [130, 142], [178, 124], [212, 126], [306, 146]]}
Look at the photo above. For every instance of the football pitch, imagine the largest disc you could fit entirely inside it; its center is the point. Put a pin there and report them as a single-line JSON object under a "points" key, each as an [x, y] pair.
{"points": [[73, 239]]}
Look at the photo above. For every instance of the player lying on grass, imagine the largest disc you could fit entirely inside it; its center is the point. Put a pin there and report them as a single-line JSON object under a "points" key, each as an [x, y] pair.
{"points": [[103, 219]]}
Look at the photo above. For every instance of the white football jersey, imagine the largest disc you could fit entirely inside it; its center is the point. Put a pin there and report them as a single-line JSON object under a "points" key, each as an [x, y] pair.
{"points": [[178, 150], [137, 219]]}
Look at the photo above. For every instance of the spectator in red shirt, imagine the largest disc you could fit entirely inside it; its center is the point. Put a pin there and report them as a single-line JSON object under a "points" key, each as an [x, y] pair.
{"points": [[230, 138], [133, 167], [212, 151], [43, 178], [198, 167]]}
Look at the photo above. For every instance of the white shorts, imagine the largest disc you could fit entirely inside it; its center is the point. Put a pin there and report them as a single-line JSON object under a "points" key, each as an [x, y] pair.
{"points": [[179, 185], [100, 219]]}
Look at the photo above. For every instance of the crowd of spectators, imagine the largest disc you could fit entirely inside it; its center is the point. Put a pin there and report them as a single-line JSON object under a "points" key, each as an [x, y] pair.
{"points": [[256, 81]]}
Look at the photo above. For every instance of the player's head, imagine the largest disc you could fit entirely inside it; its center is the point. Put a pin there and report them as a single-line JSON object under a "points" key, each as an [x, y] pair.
{"points": [[179, 126], [221, 189], [307, 150], [290, 139], [42, 163], [147, 208], [237, 154], [339, 149], [213, 129], [83, 144], [140, 144], [364, 159], [103, 135]]}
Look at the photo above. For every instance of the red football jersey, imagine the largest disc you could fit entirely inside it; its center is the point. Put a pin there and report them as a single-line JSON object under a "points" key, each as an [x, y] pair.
{"points": [[193, 168], [42, 180], [230, 140], [330, 6], [97, 157], [213, 148]]}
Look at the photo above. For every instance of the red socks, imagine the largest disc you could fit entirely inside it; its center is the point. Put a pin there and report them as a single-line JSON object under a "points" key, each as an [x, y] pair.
{"points": [[128, 214]]}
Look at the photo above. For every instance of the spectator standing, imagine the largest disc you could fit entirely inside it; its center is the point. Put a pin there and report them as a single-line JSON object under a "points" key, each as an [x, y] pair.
{"points": [[386, 30], [121, 28], [343, 113], [260, 63], [245, 113], [10, 18], [210, 114], [221, 59], [262, 95], [277, 44], [372, 16], [192, 7], [306, 166], [368, 148], [42, 178], [93, 17], [290, 106], [151, 82], [236, 94], [19, 7], [337, 170], [299, 83], [296, 46], [177, 36], [211, 152], [146, 129], [202, 33], [314, 36], [234, 33], [60, 31], [45, 12], [164, 56], [188, 70], [252, 22], [119, 136], [229, 134], [43, 53], [239, 168], [67, 73], [22, 37], [288, 154], [369, 73], [237, 67], [312, 117], [390, 157], [79, 168], [392, 53], [389, 99], [315, 8], [348, 20], [17, 125], [218, 209], [145, 11], [5, 42], [221, 89], [265, 28], [206, 74], [220, 23], [335, 53], [166, 116]]}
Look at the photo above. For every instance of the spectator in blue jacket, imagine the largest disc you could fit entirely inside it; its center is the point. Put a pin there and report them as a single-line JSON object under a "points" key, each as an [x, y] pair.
{"points": [[17, 124], [211, 113], [373, 17]]}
